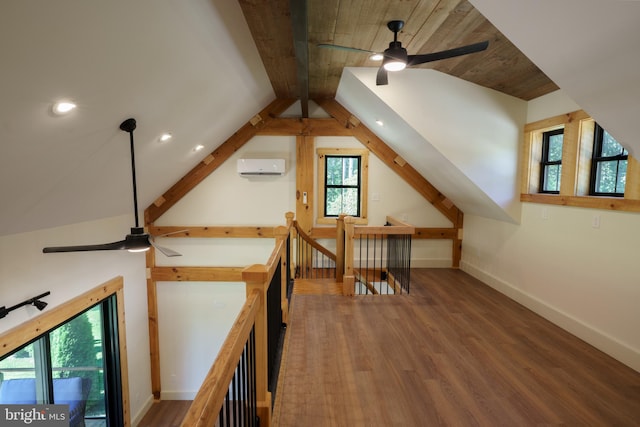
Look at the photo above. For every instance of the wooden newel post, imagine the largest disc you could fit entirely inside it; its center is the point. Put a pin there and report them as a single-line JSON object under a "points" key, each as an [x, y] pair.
{"points": [[289, 217], [256, 277], [292, 236], [281, 233], [340, 248], [348, 281]]}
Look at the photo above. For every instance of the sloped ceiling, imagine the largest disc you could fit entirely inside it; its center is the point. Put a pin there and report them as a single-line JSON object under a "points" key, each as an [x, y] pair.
{"points": [[430, 26], [591, 49], [463, 138], [189, 68], [192, 68]]}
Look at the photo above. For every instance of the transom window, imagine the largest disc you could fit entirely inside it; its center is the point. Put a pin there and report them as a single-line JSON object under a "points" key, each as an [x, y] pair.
{"points": [[609, 165], [342, 184], [551, 162]]}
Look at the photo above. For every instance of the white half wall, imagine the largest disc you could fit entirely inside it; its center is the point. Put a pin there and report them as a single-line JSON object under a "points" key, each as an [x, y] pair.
{"points": [[194, 319]]}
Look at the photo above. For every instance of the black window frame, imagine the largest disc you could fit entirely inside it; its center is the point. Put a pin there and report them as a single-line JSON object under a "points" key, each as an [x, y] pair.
{"points": [[113, 388], [597, 158], [545, 162], [328, 186]]}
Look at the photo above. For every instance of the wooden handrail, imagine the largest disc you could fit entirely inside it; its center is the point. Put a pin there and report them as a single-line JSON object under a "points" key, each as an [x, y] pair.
{"points": [[395, 227], [315, 245], [207, 403], [210, 397], [393, 221], [362, 230]]}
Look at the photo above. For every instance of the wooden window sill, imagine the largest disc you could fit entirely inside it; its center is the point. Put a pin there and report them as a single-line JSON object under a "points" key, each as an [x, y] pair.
{"points": [[608, 203]]}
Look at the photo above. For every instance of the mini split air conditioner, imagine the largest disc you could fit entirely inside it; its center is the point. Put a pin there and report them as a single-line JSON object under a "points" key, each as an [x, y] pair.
{"points": [[252, 167]]}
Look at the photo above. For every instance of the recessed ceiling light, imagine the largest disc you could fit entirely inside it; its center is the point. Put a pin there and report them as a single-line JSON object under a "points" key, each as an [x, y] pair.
{"points": [[198, 147], [165, 137], [376, 57], [63, 107], [379, 122]]}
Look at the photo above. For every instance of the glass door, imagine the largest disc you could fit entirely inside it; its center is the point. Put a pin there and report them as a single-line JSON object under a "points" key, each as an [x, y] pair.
{"points": [[76, 364]]}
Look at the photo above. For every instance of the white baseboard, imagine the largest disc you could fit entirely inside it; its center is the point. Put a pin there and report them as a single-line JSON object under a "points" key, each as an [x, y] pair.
{"points": [[178, 395], [431, 263], [600, 340], [142, 412]]}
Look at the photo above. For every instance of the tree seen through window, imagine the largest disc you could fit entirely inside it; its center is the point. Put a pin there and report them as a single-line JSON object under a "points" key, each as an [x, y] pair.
{"points": [[551, 164], [609, 165], [342, 185]]}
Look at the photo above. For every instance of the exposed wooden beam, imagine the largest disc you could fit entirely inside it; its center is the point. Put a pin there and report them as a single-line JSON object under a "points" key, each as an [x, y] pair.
{"points": [[301, 48], [154, 334], [212, 231], [305, 155], [197, 274], [304, 127], [214, 160]]}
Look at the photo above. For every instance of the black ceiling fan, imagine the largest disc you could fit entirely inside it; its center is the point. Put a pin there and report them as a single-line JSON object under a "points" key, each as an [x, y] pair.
{"points": [[137, 240], [395, 57]]}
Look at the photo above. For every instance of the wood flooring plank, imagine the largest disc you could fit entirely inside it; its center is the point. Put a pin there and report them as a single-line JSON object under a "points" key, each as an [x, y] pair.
{"points": [[166, 413], [453, 352]]}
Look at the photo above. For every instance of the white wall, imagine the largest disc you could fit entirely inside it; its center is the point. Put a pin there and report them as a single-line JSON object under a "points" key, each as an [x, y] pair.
{"points": [[399, 200], [194, 320], [462, 137], [585, 279], [25, 272]]}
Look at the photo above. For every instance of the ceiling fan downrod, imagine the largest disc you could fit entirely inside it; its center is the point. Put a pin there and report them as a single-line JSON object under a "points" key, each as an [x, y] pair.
{"points": [[129, 126]]}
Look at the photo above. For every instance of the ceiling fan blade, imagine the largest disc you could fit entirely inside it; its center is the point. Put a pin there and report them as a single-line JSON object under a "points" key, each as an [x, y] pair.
{"points": [[351, 49], [114, 246], [166, 251], [451, 53], [382, 77]]}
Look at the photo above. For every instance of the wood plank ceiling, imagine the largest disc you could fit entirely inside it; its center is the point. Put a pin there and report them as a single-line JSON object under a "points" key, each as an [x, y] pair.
{"points": [[430, 26]]}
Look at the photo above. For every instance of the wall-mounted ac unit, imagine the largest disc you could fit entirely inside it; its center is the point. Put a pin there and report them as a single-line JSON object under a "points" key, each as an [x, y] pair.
{"points": [[250, 167]]}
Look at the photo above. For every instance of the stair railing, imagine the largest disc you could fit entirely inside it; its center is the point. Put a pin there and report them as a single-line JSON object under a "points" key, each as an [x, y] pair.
{"points": [[236, 390], [311, 259], [376, 259]]}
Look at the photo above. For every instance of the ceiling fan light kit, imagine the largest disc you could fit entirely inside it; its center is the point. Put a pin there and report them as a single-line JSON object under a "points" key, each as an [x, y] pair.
{"points": [[137, 240], [395, 57]]}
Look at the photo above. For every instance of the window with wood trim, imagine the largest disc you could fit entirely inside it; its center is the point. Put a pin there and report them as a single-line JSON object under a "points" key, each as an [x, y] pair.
{"points": [[608, 165], [76, 363], [551, 162], [342, 184], [579, 159]]}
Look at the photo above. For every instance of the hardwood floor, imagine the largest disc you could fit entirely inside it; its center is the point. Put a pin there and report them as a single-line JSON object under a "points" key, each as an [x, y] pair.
{"points": [[166, 413], [454, 352]]}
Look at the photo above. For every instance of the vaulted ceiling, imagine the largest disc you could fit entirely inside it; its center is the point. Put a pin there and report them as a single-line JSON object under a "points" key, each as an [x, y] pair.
{"points": [[201, 68], [430, 26]]}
